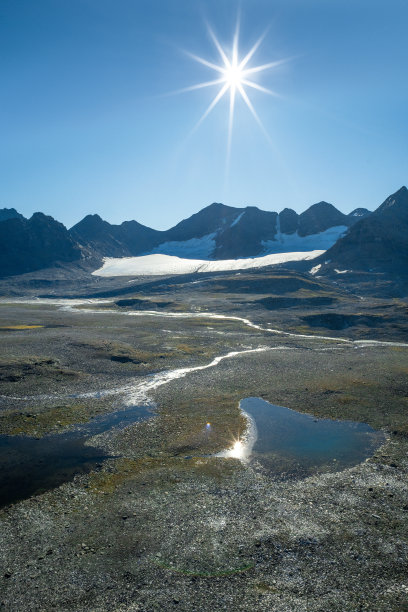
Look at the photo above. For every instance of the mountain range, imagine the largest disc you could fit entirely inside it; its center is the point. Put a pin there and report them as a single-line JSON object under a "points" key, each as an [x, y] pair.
{"points": [[215, 232], [361, 239]]}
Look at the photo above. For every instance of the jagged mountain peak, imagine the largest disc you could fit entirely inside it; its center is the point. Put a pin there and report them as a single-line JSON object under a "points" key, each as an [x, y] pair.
{"points": [[9, 213], [89, 221], [359, 213], [319, 217], [397, 200], [376, 242], [35, 243]]}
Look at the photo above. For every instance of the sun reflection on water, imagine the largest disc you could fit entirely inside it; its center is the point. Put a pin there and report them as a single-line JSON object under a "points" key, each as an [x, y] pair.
{"points": [[237, 451]]}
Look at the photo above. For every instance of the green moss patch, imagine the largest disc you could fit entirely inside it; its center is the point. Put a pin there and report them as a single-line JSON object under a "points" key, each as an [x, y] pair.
{"points": [[39, 422], [16, 369]]}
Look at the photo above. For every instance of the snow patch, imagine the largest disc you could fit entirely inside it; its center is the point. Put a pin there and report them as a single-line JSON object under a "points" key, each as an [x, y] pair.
{"points": [[315, 269], [195, 247], [158, 264], [238, 219], [285, 243]]}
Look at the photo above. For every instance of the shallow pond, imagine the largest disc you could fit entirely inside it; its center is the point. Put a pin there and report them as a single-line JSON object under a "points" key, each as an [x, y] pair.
{"points": [[289, 444], [29, 466]]}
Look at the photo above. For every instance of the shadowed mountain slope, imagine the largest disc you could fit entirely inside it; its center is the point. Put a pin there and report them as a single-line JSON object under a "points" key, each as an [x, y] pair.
{"points": [[36, 243], [377, 242], [129, 238]]}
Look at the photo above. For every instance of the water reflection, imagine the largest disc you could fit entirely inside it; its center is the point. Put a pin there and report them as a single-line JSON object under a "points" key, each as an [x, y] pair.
{"points": [[29, 466], [287, 443]]}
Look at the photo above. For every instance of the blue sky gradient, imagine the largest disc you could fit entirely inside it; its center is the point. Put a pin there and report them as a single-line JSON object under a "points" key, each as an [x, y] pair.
{"points": [[86, 125]]}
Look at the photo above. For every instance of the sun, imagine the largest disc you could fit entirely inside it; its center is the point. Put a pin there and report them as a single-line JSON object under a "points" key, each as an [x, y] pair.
{"points": [[235, 75]]}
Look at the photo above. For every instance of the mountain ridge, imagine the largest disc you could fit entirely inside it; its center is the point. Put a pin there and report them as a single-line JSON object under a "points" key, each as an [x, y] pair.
{"points": [[358, 240], [225, 231]]}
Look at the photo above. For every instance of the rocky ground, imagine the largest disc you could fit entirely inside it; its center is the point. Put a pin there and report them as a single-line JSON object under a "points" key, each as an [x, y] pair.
{"points": [[163, 524]]}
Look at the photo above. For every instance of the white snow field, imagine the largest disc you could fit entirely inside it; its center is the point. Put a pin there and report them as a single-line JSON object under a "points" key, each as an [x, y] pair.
{"points": [[204, 247], [294, 242], [195, 247], [157, 264]]}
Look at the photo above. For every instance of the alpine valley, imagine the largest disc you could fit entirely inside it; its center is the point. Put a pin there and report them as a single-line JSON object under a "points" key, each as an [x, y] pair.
{"points": [[211, 417]]}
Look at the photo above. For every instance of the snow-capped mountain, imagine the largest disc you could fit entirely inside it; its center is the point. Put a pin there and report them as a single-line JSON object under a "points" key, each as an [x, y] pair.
{"points": [[224, 232], [216, 233]]}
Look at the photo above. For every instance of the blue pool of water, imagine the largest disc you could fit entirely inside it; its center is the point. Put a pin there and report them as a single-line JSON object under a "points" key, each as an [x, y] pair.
{"points": [[29, 466], [290, 443]]}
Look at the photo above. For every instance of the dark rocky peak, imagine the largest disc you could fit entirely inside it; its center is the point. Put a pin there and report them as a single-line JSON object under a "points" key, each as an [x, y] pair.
{"points": [[263, 220], [395, 203], [128, 238], [39, 219], [319, 217], [99, 236], [289, 220], [208, 220], [36, 243], [9, 213], [90, 226], [244, 235], [52, 231], [134, 225], [359, 213], [376, 242]]}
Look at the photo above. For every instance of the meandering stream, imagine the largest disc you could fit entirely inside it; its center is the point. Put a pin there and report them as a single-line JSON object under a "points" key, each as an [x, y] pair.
{"points": [[30, 465]]}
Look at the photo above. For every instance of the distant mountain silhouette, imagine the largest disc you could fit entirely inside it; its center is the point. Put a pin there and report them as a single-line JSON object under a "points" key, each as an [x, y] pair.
{"points": [[39, 242]]}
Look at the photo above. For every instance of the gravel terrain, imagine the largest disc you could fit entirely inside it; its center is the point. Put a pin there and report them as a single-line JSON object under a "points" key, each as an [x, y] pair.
{"points": [[162, 523]]}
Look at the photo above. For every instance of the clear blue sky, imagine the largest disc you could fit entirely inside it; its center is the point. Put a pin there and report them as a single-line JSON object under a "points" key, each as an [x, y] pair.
{"points": [[85, 126]]}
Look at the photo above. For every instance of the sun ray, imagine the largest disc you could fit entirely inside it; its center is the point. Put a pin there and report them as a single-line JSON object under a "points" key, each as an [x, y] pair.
{"points": [[264, 67], [260, 88], [220, 49], [252, 51], [217, 98], [234, 77], [205, 62], [230, 124], [253, 111], [234, 61], [198, 86]]}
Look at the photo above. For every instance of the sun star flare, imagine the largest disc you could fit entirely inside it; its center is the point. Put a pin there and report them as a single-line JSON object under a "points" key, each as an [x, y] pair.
{"points": [[235, 77]]}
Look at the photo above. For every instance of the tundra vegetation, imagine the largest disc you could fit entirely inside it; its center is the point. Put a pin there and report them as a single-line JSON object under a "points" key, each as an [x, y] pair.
{"points": [[157, 519]]}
